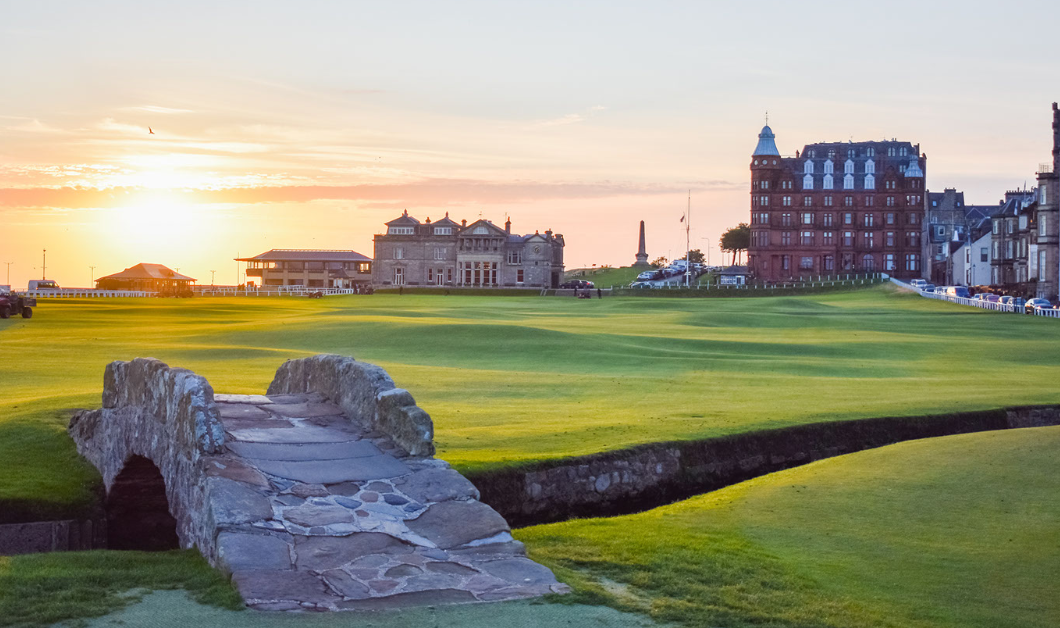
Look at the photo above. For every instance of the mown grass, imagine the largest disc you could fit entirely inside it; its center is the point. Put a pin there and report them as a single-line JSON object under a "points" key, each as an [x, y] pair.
{"points": [[961, 531], [41, 589], [518, 380], [606, 277]]}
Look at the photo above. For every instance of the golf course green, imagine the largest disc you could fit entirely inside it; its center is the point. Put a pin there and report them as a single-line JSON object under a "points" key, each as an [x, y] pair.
{"points": [[511, 380]]}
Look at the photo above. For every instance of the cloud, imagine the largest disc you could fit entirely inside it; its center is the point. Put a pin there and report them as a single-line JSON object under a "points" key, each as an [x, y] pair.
{"points": [[32, 125], [157, 109], [110, 124], [429, 192], [571, 118]]}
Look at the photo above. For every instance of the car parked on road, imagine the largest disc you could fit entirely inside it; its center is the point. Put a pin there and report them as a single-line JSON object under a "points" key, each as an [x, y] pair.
{"points": [[641, 285], [1032, 305], [917, 283], [928, 287], [1006, 300], [577, 284], [957, 291]]}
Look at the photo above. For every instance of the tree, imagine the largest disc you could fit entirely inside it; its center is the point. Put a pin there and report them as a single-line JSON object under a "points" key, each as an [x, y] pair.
{"points": [[696, 255], [737, 240], [660, 262]]}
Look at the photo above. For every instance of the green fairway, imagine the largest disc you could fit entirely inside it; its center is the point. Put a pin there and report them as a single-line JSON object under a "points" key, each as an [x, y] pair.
{"points": [[954, 532], [509, 380]]}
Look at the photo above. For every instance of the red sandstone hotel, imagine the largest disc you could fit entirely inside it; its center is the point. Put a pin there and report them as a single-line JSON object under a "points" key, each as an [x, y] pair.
{"points": [[836, 208]]}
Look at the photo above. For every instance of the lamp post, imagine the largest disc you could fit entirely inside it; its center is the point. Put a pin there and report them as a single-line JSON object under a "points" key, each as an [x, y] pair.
{"points": [[211, 276], [9, 272], [93, 276], [44, 266]]}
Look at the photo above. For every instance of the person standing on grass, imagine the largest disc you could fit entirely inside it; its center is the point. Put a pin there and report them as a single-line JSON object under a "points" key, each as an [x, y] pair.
{"points": [[599, 293]]}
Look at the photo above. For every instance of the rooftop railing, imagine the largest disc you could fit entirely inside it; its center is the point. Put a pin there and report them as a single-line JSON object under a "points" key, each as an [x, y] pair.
{"points": [[1045, 168]]}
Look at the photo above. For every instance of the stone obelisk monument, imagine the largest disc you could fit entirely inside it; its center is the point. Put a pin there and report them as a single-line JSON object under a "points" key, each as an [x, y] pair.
{"points": [[642, 255]]}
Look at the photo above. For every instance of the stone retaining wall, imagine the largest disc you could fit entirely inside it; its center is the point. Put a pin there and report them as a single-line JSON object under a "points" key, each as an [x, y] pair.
{"points": [[52, 536], [647, 476], [361, 390]]}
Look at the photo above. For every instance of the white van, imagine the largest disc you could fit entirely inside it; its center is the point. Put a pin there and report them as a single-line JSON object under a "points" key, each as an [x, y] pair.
{"points": [[43, 284], [917, 283]]}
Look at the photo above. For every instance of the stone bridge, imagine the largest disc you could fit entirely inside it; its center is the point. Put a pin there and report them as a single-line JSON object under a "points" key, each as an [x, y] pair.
{"points": [[322, 494]]}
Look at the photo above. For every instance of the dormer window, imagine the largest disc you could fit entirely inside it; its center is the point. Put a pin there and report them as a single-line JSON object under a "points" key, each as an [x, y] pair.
{"points": [[828, 167], [848, 182], [443, 231], [400, 230], [481, 231], [870, 182], [807, 168], [848, 167], [827, 185], [870, 167], [807, 182], [870, 152], [850, 154]]}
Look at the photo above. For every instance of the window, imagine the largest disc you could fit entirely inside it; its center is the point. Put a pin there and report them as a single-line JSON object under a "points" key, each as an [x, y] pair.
{"points": [[848, 218], [848, 201], [848, 261], [807, 201], [807, 182], [786, 201], [870, 165], [807, 218], [765, 185], [806, 263], [997, 250], [827, 184], [785, 219], [848, 182], [997, 227], [889, 218], [785, 262], [828, 201], [828, 220], [1041, 266], [870, 201], [785, 238], [869, 219], [449, 275], [314, 265], [828, 238], [439, 252], [786, 185], [807, 167], [903, 152], [401, 230], [912, 219], [430, 275], [763, 201], [912, 262], [848, 167], [848, 238], [912, 199], [519, 276], [870, 181], [399, 252], [828, 167], [984, 254], [1043, 196], [889, 238], [869, 240], [890, 151], [1010, 226], [890, 201], [868, 262], [912, 238], [761, 218], [443, 231], [870, 152], [829, 262], [888, 261], [1041, 225], [806, 239], [481, 231], [1008, 250], [399, 276], [516, 257]]}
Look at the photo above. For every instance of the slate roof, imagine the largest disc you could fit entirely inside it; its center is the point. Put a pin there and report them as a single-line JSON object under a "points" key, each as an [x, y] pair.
{"points": [[149, 271], [306, 255], [403, 220]]}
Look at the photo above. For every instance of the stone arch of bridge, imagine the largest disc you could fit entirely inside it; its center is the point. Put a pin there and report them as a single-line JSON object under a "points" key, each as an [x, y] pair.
{"points": [[138, 514]]}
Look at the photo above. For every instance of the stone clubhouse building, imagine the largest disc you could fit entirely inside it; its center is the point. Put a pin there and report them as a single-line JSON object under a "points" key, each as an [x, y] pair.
{"points": [[458, 254]]}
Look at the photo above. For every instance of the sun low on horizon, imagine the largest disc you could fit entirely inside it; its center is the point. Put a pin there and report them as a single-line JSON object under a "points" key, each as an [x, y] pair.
{"points": [[252, 126]]}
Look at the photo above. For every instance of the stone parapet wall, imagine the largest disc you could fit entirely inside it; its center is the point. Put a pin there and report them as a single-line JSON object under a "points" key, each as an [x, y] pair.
{"points": [[168, 416], [363, 391], [647, 476]]}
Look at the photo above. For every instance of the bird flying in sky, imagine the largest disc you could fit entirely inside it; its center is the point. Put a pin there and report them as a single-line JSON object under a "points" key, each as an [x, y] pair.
{"points": [[150, 131]]}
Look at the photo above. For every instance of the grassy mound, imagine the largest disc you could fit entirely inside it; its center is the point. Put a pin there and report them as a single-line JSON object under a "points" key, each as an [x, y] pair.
{"points": [[961, 531]]}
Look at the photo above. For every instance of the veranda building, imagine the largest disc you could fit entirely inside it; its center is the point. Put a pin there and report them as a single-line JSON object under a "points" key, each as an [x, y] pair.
{"points": [[480, 254]]}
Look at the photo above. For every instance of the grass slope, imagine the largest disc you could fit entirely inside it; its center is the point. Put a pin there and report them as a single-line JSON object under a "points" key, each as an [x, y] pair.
{"points": [[961, 531], [606, 277], [511, 380]]}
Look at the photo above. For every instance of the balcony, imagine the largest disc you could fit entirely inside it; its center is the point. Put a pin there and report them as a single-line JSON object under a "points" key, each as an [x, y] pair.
{"points": [[1045, 168]]}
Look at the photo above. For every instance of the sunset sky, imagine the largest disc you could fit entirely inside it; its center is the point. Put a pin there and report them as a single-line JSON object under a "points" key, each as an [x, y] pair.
{"points": [[310, 124]]}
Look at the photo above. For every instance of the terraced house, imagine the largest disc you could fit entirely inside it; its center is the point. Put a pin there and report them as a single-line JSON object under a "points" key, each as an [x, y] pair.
{"points": [[835, 208], [480, 254]]}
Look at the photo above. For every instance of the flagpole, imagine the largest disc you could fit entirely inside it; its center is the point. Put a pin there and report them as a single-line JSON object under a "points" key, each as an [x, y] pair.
{"points": [[688, 245]]}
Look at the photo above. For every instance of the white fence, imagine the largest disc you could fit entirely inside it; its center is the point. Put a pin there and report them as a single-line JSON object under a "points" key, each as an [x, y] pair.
{"points": [[986, 305], [271, 291], [85, 293]]}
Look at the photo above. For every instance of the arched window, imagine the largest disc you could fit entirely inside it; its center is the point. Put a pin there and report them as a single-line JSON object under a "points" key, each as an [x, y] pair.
{"points": [[868, 262], [870, 181], [828, 167], [808, 167], [807, 182], [870, 167], [848, 182], [827, 185], [848, 167]]}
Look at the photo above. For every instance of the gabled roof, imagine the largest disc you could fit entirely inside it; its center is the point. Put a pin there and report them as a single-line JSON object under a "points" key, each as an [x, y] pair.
{"points": [[403, 220], [306, 255], [446, 222], [148, 271], [482, 222]]}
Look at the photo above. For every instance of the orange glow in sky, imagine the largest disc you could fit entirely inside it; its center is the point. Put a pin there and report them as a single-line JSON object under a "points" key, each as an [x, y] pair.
{"points": [[280, 125]]}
